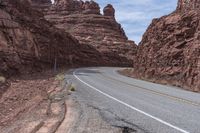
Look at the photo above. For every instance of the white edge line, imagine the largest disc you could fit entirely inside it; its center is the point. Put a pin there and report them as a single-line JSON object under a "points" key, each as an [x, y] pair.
{"points": [[129, 106]]}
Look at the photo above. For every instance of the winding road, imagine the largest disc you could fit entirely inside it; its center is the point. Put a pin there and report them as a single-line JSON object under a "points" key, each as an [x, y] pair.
{"points": [[136, 104]]}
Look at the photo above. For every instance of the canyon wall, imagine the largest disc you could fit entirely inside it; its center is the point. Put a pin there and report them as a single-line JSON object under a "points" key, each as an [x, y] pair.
{"points": [[84, 21], [36, 33], [170, 48], [28, 42]]}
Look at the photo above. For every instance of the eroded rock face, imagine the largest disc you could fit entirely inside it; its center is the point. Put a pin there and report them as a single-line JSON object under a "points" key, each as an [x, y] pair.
{"points": [[28, 41], [84, 21], [109, 11], [41, 1], [185, 5], [40, 4], [170, 49], [77, 6], [91, 8]]}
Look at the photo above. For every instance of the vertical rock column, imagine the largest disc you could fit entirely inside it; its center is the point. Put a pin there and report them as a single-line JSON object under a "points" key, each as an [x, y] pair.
{"points": [[109, 11]]}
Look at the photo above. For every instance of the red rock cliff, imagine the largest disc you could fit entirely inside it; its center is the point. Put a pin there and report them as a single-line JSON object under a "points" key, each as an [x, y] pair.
{"points": [[28, 41], [170, 49], [85, 22], [185, 5]]}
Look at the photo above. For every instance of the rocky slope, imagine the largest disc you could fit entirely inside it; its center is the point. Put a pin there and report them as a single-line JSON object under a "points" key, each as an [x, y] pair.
{"points": [[28, 41], [85, 22], [170, 49]]}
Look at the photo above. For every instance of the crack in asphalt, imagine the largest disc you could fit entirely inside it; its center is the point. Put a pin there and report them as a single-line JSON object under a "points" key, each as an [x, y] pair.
{"points": [[127, 127]]}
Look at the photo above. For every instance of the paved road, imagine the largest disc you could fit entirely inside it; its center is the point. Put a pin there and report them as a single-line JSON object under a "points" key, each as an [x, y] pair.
{"points": [[136, 104]]}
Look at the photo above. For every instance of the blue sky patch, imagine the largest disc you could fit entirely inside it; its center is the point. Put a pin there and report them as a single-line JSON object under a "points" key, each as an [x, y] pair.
{"points": [[136, 15]]}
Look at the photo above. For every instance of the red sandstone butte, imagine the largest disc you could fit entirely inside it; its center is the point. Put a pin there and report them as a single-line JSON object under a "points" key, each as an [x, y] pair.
{"points": [[28, 42], [84, 21]]}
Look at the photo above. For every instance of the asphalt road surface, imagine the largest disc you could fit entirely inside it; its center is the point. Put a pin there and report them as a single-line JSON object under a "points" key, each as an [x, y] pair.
{"points": [[136, 104]]}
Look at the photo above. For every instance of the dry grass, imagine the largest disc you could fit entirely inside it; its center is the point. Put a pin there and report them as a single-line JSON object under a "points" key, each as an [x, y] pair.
{"points": [[60, 77], [2, 79], [72, 88]]}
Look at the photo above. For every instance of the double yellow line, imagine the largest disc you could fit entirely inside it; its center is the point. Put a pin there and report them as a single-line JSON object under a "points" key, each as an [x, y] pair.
{"points": [[157, 93]]}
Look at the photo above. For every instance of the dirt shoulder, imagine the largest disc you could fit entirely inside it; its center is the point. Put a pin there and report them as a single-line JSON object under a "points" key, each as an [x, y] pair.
{"points": [[42, 103], [127, 72], [130, 73], [81, 118], [32, 103], [3, 85]]}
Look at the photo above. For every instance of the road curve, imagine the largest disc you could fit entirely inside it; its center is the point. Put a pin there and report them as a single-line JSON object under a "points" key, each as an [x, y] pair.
{"points": [[140, 105]]}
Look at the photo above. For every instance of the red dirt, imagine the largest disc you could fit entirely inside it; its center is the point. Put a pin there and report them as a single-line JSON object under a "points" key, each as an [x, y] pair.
{"points": [[24, 94]]}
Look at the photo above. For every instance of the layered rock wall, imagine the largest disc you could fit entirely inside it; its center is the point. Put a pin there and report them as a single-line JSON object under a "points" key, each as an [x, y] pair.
{"points": [[29, 42], [185, 5], [109, 11], [170, 49], [85, 22]]}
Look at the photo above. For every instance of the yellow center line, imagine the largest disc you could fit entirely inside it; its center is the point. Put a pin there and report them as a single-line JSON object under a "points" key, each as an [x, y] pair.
{"points": [[157, 93]]}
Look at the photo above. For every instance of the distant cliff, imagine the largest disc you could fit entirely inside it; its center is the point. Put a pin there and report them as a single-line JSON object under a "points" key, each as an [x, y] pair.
{"points": [[85, 22]]}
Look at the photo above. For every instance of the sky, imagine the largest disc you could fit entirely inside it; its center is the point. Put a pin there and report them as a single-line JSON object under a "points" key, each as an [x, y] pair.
{"points": [[136, 15]]}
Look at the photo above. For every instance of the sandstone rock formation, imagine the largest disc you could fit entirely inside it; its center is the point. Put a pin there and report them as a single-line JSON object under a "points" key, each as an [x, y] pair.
{"points": [[185, 5], [170, 49], [27, 40], [109, 11], [85, 22]]}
